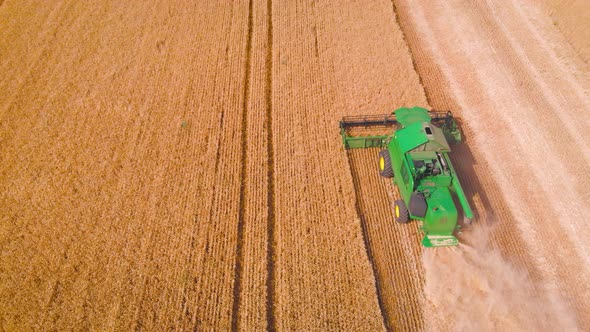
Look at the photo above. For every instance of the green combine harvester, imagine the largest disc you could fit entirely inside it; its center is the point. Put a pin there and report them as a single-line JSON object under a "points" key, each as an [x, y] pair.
{"points": [[416, 156]]}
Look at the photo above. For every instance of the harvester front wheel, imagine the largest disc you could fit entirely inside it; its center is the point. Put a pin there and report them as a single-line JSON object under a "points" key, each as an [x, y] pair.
{"points": [[400, 211], [385, 169]]}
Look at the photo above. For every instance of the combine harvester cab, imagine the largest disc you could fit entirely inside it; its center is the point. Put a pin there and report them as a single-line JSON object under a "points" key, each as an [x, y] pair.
{"points": [[416, 156]]}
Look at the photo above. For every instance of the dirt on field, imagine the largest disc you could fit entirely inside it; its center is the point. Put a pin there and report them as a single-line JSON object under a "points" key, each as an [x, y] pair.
{"points": [[179, 166]]}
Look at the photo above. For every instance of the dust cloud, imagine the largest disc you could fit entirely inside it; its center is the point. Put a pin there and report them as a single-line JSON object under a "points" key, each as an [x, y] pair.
{"points": [[471, 287]]}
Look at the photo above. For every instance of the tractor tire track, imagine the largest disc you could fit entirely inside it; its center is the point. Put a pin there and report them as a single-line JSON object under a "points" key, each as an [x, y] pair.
{"points": [[271, 236], [395, 249], [368, 246], [239, 264]]}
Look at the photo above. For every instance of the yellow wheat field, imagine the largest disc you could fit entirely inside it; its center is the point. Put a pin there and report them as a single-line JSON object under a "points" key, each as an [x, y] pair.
{"points": [[177, 166]]}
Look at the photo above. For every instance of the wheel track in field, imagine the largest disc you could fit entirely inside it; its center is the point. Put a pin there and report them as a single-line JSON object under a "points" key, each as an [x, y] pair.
{"points": [[239, 265], [367, 242], [270, 280], [394, 249]]}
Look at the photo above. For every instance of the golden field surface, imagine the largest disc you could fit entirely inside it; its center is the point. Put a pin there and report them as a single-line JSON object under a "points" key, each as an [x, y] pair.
{"points": [[178, 165]]}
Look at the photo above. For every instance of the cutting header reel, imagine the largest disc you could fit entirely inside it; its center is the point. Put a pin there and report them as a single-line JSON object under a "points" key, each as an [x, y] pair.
{"points": [[443, 120]]}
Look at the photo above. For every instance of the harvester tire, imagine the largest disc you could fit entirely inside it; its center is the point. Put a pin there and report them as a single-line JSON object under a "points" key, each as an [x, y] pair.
{"points": [[385, 169], [400, 212]]}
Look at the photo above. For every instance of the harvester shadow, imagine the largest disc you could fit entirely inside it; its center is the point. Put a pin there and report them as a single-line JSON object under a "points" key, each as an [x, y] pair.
{"points": [[483, 210]]}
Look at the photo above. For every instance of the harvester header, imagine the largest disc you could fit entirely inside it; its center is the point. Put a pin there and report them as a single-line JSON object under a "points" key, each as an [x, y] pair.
{"points": [[401, 117]]}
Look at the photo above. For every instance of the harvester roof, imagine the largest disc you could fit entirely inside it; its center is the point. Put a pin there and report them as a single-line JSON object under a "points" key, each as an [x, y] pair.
{"points": [[407, 116], [422, 136]]}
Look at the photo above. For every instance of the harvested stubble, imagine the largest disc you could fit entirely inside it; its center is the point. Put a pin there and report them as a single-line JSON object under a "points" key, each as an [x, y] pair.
{"points": [[572, 18], [508, 92]]}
